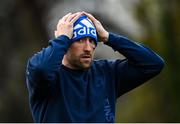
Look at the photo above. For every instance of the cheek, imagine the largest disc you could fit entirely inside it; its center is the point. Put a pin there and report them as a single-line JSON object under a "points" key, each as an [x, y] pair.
{"points": [[75, 52]]}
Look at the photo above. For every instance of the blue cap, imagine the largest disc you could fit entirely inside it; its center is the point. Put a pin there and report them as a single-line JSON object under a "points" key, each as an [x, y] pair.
{"points": [[84, 27]]}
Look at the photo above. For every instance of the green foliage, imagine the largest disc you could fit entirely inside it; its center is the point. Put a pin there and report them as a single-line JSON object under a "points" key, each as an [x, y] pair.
{"points": [[23, 32], [161, 101]]}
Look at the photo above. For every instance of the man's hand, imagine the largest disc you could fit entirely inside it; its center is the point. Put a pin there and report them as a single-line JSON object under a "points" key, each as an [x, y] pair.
{"points": [[65, 25], [102, 33]]}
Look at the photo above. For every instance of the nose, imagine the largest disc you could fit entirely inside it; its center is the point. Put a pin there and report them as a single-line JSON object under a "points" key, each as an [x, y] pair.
{"points": [[88, 45]]}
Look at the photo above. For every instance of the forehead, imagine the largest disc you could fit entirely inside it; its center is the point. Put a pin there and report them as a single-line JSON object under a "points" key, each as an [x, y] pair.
{"points": [[87, 38], [84, 40]]}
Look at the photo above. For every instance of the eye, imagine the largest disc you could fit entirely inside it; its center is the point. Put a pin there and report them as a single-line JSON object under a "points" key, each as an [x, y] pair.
{"points": [[81, 41], [92, 41]]}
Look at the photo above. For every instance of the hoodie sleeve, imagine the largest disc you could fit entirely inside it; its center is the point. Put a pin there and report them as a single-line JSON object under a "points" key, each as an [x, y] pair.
{"points": [[140, 65], [42, 68]]}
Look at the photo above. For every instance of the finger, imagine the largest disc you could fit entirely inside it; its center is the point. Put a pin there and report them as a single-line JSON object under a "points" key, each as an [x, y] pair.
{"points": [[70, 17], [76, 17], [55, 33], [63, 19], [91, 17]]}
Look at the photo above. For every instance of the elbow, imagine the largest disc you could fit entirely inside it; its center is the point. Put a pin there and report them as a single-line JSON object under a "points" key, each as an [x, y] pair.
{"points": [[154, 68], [159, 65], [34, 63]]}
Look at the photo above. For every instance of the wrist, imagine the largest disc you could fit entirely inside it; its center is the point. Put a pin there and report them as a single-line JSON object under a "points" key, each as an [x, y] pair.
{"points": [[106, 37]]}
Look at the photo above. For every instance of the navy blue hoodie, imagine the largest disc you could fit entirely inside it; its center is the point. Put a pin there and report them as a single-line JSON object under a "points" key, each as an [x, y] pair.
{"points": [[60, 94]]}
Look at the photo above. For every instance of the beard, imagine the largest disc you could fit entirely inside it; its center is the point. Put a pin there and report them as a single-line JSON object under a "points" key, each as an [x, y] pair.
{"points": [[82, 62]]}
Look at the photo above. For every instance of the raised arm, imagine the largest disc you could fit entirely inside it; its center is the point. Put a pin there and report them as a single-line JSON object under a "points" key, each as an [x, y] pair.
{"points": [[42, 68], [140, 65]]}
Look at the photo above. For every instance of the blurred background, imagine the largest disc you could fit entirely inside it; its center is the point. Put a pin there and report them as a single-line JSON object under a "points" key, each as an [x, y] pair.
{"points": [[26, 26]]}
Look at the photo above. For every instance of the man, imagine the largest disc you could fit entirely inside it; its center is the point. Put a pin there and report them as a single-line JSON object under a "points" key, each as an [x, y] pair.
{"points": [[65, 84]]}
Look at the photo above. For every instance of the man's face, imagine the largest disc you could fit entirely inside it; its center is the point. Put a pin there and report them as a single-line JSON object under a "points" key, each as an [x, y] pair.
{"points": [[80, 54]]}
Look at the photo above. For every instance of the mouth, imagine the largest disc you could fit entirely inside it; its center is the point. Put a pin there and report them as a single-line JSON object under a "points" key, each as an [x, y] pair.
{"points": [[86, 57]]}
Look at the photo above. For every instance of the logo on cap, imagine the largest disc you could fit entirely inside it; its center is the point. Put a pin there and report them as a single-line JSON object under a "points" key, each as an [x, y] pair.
{"points": [[84, 28]]}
